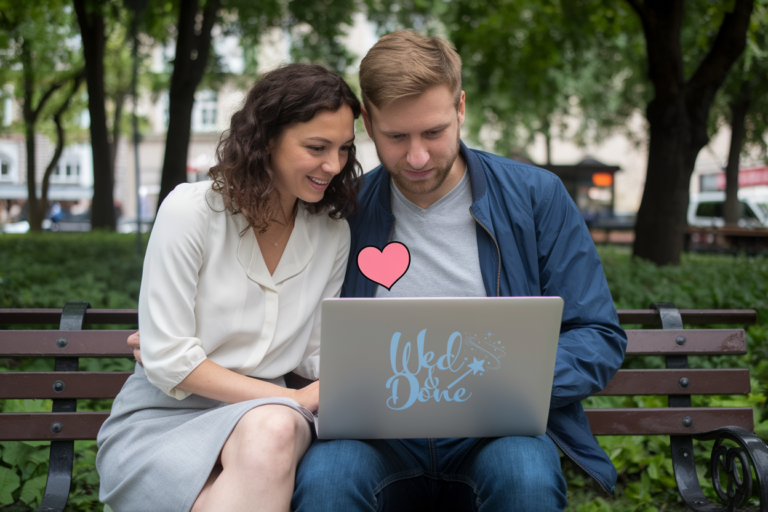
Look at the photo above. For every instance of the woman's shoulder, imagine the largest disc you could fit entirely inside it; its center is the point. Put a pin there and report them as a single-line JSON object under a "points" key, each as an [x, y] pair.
{"points": [[191, 200]]}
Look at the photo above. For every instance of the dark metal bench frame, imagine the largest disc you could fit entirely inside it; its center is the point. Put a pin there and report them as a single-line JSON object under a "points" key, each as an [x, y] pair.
{"points": [[680, 421]]}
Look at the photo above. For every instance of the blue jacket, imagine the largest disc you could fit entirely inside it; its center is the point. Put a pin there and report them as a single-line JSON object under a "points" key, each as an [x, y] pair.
{"points": [[531, 241]]}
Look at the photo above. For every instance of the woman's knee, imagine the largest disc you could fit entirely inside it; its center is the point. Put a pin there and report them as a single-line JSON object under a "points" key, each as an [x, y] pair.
{"points": [[267, 437]]}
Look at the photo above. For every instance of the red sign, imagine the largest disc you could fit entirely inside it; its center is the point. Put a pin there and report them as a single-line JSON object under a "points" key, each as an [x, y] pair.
{"points": [[747, 178]]}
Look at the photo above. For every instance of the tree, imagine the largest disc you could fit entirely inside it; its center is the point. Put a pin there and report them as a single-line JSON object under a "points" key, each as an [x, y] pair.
{"points": [[677, 117], [90, 16], [50, 74], [743, 105]]}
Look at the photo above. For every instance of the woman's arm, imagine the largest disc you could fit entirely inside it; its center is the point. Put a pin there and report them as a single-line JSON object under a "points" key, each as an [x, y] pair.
{"points": [[213, 381]]}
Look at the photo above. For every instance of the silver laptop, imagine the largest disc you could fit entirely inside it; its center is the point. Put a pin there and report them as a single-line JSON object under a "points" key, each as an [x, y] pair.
{"points": [[437, 367]]}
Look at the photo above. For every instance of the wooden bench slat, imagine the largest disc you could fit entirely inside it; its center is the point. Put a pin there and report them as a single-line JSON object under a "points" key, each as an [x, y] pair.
{"points": [[42, 343], [666, 421], [53, 316], [626, 316], [691, 316], [76, 384], [644, 342], [626, 382], [36, 426], [669, 421], [667, 382]]}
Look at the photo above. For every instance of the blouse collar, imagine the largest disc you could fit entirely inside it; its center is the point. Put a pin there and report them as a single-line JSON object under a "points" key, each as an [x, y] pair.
{"points": [[296, 256]]}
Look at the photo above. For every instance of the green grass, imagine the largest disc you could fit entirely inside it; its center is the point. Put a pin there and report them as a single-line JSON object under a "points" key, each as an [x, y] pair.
{"points": [[47, 270]]}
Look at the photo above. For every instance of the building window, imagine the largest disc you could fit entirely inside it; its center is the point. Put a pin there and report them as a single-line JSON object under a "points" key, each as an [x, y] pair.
{"points": [[204, 112], [68, 171], [6, 169]]}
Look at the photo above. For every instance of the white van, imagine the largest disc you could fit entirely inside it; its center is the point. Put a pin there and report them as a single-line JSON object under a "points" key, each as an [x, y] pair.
{"points": [[706, 209]]}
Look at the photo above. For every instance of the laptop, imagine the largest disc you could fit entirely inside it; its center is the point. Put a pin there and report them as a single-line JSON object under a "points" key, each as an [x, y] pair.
{"points": [[437, 367]]}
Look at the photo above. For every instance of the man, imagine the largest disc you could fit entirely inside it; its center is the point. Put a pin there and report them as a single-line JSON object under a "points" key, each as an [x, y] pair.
{"points": [[475, 225]]}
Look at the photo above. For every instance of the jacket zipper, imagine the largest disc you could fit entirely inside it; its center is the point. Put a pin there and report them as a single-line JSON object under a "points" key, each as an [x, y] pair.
{"points": [[556, 441], [498, 251], [568, 454]]}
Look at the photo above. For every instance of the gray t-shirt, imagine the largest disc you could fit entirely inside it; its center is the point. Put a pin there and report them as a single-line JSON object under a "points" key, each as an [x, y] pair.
{"points": [[442, 240]]}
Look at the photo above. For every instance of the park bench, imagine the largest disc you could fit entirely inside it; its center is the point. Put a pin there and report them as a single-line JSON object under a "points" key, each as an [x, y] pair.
{"points": [[730, 469]]}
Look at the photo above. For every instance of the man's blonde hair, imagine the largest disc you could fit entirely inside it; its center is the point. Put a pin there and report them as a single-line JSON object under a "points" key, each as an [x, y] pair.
{"points": [[405, 63]]}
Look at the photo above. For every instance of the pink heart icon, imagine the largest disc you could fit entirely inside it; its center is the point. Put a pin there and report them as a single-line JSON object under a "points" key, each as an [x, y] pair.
{"points": [[384, 267]]}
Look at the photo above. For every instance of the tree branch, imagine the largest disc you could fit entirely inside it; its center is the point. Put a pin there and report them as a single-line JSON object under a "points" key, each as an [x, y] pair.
{"points": [[729, 44], [60, 139], [203, 41], [639, 9], [52, 89]]}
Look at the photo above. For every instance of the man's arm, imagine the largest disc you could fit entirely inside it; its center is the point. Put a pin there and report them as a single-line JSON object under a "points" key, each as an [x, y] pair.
{"points": [[592, 344]]}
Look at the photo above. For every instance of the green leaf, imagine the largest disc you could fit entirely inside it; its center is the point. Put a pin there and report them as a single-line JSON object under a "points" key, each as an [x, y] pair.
{"points": [[653, 471], [32, 492], [15, 453], [9, 482]]}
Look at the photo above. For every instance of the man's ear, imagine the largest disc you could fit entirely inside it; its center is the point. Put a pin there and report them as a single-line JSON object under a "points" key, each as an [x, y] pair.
{"points": [[461, 109], [367, 121]]}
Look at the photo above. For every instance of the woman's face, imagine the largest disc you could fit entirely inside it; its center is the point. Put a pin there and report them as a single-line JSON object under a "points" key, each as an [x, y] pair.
{"points": [[308, 155]]}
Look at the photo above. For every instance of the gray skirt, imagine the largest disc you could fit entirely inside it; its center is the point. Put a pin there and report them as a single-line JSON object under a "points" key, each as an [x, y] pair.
{"points": [[156, 452]]}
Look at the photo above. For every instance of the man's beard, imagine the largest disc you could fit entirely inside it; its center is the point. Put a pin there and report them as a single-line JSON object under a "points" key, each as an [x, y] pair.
{"points": [[442, 169]]}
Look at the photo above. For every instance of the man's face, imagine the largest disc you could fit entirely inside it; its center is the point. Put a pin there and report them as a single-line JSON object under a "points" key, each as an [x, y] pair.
{"points": [[417, 140]]}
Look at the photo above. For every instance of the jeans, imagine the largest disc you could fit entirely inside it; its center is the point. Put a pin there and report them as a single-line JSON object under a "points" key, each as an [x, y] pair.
{"points": [[404, 475]]}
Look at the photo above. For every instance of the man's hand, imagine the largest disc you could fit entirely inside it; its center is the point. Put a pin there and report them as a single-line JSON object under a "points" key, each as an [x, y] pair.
{"points": [[135, 344], [308, 396]]}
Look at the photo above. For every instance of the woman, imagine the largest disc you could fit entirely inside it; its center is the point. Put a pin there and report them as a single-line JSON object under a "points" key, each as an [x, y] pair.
{"points": [[234, 275]]}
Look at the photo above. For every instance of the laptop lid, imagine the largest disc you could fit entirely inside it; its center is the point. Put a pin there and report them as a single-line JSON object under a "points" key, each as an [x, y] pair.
{"points": [[437, 367]]}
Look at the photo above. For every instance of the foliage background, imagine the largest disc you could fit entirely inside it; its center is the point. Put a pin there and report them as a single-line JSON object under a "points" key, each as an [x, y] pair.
{"points": [[46, 270]]}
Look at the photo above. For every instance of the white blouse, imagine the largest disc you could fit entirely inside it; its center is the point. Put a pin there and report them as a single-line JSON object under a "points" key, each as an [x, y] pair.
{"points": [[206, 291]]}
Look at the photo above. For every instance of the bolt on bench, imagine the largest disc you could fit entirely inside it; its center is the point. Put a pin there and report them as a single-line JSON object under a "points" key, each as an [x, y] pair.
{"points": [[683, 423]]}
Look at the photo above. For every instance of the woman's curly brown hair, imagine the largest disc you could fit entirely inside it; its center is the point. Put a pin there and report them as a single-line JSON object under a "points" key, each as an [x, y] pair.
{"points": [[291, 94]]}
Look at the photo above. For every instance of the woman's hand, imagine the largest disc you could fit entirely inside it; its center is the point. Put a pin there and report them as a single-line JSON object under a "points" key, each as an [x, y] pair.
{"points": [[135, 343], [308, 396]]}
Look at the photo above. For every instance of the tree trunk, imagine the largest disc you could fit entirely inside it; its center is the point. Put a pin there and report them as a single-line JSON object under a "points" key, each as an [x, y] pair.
{"points": [[677, 117], [739, 108], [115, 135], [192, 52], [33, 211], [92, 31], [660, 227]]}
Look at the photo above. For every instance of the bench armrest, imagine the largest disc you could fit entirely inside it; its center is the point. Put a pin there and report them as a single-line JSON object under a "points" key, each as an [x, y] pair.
{"points": [[735, 464]]}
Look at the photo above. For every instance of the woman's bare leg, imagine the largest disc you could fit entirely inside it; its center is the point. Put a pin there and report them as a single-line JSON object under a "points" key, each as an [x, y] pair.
{"points": [[258, 462]]}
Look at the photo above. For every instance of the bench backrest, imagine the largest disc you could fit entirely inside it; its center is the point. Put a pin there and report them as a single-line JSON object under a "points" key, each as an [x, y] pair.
{"points": [[675, 344]]}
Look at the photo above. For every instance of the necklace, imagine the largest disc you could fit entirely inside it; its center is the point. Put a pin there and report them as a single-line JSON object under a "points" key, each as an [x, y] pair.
{"points": [[288, 225]]}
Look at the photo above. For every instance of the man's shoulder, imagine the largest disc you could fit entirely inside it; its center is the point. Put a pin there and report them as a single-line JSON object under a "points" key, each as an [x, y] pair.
{"points": [[522, 186], [511, 172]]}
